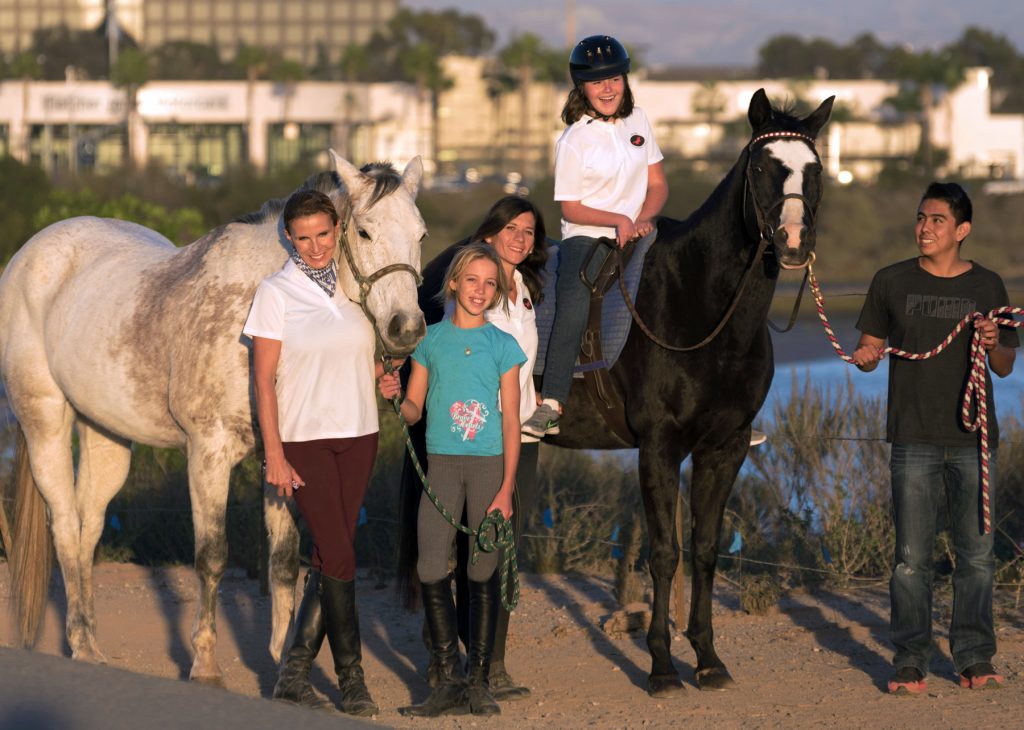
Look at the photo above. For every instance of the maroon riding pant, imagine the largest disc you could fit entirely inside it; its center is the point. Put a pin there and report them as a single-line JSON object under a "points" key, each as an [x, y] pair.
{"points": [[336, 472]]}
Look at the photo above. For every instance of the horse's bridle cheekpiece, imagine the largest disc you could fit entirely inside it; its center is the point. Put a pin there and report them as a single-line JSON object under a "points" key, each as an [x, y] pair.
{"points": [[366, 282]]}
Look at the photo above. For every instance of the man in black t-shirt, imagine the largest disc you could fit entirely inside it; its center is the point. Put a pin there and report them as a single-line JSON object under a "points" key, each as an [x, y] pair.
{"points": [[914, 305]]}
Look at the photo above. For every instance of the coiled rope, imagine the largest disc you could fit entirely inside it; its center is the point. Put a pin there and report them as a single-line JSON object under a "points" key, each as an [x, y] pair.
{"points": [[504, 536]]}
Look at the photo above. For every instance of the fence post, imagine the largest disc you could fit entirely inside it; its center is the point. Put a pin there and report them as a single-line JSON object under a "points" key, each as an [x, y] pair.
{"points": [[627, 583]]}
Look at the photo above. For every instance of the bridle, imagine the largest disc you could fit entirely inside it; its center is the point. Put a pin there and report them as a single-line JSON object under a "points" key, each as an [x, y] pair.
{"points": [[366, 283], [766, 235], [764, 228]]}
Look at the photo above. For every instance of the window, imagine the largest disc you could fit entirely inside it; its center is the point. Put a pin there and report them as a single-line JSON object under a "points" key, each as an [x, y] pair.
{"points": [[177, 11]]}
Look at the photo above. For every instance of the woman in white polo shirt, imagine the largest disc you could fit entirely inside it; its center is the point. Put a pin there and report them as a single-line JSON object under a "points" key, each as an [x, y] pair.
{"points": [[314, 376]]}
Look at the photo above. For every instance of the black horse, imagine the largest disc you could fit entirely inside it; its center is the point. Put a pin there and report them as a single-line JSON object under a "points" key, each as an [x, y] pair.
{"points": [[718, 267]]}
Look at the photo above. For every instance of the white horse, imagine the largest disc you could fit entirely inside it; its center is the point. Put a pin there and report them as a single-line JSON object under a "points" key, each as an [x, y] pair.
{"points": [[108, 327]]}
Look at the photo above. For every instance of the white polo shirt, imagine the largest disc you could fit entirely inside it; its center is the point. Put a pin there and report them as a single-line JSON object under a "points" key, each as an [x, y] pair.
{"points": [[325, 383], [521, 323], [604, 166]]}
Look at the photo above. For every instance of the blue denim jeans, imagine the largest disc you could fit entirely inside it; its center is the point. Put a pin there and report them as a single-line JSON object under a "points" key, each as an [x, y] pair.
{"points": [[572, 308], [922, 475]]}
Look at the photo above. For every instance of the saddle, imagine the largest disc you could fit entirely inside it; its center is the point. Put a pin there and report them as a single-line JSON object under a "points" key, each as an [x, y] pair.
{"points": [[608, 325], [600, 387]]}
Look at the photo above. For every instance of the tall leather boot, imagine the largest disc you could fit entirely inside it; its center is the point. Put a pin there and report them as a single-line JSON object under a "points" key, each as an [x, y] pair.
{"points": [[293, 680], [483, 619], [449, 696], [342, 622], [503, 687]]}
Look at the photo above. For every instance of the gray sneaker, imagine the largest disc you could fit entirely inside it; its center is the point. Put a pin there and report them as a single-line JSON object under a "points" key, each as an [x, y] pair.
{"points": [[544, 421]]}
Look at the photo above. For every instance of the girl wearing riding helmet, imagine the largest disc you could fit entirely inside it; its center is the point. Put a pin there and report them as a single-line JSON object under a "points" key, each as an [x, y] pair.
{"points": [[610, 183]]}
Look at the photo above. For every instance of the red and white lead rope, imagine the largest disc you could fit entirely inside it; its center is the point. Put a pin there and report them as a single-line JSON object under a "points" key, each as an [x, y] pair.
{"points": [[974, 392]]}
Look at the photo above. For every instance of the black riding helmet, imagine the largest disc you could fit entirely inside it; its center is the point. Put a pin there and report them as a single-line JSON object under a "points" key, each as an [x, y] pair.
{"points": [[597, 57]]}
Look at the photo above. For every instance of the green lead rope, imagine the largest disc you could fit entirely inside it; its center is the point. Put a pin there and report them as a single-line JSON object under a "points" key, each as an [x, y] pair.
{"points": [[504, 535]]}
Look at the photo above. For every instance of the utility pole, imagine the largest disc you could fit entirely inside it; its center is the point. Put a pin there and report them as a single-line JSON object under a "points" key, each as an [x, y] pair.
{"points": [[570, 23], [113, 34]]}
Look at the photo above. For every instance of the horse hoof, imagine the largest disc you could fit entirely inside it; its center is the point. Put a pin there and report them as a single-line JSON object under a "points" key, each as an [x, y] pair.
{"points": [[209, 681], [89, 655], [666, 685], [715, 679]]}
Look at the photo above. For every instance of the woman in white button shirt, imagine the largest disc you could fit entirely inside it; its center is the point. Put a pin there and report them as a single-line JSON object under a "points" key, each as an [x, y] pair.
{"points": [[314, 375]]}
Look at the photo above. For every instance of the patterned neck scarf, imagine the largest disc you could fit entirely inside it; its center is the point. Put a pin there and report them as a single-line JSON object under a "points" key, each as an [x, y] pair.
{"points": [[325, 278]]}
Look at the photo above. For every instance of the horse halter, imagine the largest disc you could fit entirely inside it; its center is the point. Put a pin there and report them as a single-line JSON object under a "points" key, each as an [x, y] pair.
{"points": [[764, 229], [366, 283]]}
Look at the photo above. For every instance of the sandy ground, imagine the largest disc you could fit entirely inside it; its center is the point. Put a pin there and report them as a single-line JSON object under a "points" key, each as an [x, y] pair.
{"points": [[818, 659]]}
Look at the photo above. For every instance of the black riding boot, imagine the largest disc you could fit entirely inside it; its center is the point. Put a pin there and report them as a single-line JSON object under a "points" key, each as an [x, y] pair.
{"points": [[293, 680], [339, 605], [483, 619], [449, 696], [503, 687]]}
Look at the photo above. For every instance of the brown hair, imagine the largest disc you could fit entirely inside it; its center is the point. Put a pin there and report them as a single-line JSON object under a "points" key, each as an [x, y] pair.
{"points": [[577, 106], [308, 202], [532, 267]]}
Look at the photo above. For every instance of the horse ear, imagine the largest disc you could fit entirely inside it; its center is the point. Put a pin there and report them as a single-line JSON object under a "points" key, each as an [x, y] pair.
{"points": [[348, 172], [760, 111], [412, 174], [817, 119]]}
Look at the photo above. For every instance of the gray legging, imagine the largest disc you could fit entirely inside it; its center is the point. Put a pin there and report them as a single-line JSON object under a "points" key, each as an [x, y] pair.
{"points": [[456, 480]]}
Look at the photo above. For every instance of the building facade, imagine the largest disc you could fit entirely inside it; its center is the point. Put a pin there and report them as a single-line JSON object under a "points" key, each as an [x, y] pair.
{"points": [[201, 129], [298, 29]]}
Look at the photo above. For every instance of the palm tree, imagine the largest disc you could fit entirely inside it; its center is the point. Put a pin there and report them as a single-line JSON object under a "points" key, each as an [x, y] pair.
{"points": [[925, 72], [130, 72]]}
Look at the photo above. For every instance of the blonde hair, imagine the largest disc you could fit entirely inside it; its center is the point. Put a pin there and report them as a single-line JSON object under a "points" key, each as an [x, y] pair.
{"points": [[463, 258]]}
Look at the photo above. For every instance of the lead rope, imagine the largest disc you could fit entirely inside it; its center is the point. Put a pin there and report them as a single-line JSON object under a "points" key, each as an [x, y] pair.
{"points": [[974, 392], [504, 536]]}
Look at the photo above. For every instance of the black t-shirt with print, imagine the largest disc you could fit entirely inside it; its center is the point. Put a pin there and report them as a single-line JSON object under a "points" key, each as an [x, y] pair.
{"points": [[915, 311]]}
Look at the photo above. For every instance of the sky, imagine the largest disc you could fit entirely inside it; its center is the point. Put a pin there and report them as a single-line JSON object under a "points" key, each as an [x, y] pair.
{"points": [[729, 32]]}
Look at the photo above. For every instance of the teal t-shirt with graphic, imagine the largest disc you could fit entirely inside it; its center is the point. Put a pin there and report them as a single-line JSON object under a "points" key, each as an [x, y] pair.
{"points": [[464, 369]]}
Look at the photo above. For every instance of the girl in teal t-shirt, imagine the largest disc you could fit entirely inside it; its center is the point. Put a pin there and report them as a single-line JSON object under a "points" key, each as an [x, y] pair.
{"points": [[466, 371]]}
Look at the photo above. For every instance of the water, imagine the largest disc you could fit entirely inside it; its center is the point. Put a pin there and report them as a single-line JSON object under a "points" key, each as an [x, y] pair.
{"points": [[806, 352]]}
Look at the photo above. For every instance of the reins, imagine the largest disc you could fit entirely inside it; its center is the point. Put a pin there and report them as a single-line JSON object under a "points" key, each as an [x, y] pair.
{"points": [[766, 235], [504, 536], [974, 391]]}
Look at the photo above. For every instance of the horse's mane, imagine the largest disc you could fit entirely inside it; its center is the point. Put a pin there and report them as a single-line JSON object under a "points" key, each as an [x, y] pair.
{"points": [[385, 177]]}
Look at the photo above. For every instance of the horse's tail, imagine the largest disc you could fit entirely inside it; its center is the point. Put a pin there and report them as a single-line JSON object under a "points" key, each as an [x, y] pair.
{"points": [[408, 583], [31, 558]]}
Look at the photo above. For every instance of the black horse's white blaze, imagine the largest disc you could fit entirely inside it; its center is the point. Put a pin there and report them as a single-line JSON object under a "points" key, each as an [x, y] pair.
{"points": [[795, 156]]}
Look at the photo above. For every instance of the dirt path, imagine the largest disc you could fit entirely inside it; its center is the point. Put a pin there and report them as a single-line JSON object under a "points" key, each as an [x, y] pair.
{"points": [[818, 660]]}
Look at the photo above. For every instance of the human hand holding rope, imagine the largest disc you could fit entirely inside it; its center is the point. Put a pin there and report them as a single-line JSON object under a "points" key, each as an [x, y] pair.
{"points": [[984, 341]]}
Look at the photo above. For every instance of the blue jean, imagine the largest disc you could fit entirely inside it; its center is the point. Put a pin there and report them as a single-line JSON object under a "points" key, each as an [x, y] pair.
{"points": [[572, 308], [923, 474]]}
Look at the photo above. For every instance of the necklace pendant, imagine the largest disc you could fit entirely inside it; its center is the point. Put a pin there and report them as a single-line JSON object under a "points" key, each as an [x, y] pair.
{"points": [[468, 352]]}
